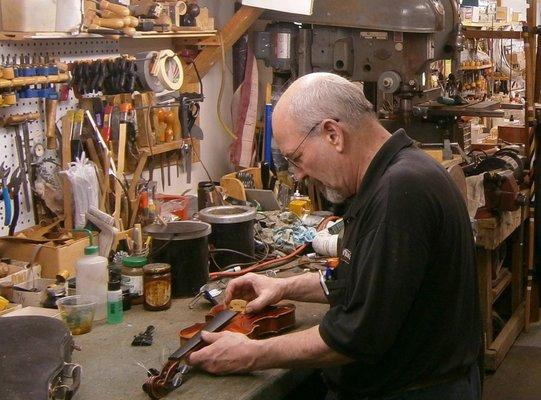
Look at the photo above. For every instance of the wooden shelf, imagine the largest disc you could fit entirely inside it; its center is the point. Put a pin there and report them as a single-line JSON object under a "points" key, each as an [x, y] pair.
{"points": [[491, 24], [164, 147], [188, 34], [501, 286], [476, 68]]}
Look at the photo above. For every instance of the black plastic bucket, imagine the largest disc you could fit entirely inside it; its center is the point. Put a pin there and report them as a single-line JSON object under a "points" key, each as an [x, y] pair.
{"points": [[232, 229], [183, 245]]}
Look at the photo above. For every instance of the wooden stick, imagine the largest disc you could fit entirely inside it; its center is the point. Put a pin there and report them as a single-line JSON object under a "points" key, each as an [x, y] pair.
{"points": [[119, 172]]}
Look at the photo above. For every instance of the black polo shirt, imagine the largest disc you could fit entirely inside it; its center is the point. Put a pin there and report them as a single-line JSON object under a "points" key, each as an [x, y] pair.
{"points": [[404, 302]]}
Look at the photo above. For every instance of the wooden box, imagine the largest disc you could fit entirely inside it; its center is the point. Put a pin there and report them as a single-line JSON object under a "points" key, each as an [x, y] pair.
{"points": [[515, 134], [52, 258]]}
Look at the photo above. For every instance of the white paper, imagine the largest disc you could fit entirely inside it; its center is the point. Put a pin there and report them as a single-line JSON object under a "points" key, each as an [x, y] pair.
{"points": [[294, 7]]}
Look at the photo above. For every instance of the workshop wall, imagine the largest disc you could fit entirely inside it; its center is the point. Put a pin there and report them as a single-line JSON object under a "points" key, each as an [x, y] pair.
{"points": [[215, 146]]}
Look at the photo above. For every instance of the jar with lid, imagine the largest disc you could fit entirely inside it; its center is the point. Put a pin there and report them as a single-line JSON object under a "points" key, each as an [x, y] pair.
{"points": [[132, 277], [157, 284]]}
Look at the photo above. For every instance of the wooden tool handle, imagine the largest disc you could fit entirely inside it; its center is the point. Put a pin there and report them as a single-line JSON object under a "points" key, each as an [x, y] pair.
{"points": [[113, 23], [131, 21], [108, 14], [20, 118], [121, 11], [129, 31], [50, 129]]}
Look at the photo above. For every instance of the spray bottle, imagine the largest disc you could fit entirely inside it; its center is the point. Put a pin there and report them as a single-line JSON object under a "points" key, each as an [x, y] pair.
{"points": [[91, 277]]}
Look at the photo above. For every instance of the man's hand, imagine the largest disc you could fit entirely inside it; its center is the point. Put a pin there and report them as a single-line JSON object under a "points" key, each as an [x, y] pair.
{"points": [[260, 291], [226, 353]]}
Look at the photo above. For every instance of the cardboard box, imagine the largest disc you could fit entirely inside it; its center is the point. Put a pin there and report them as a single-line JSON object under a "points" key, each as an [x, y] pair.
{"points": [[19, 273], [51, 257], [503, 14]]}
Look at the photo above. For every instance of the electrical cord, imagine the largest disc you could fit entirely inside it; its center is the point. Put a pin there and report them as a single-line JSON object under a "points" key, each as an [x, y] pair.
{"points": [[271, 263]]}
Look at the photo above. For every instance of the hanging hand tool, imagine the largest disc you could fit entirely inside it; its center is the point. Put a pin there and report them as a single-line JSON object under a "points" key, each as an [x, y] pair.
{"points": [[14, 186], [187, 161], [50, 133], [4, 173], [24, 157], [76, 143], [119, 10]]}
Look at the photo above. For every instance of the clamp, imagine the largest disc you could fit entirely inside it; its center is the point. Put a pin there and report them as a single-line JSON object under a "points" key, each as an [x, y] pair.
{"points": [[4, 173], [14, 186]]}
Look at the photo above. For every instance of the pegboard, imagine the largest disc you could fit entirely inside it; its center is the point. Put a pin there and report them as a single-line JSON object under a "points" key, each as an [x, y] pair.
{"points": [[67, 50]]}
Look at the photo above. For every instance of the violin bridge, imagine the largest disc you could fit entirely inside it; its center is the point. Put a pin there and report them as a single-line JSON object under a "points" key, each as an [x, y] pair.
{"points": [[238, 305]]}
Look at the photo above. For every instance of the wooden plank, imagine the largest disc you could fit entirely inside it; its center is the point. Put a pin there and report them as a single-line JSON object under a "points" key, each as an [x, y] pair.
{"points": [[231, 32], [491, 34], [493, 231], [517, 265], [501, 286], [498, 349], [119, 172], [484, 274]]}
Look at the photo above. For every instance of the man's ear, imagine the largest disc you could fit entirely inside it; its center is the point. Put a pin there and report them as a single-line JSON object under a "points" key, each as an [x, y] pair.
{"points": [[334, 134]]}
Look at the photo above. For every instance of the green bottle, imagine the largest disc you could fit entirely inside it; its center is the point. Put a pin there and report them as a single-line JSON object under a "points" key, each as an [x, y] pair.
{"points": [[114, 303]]}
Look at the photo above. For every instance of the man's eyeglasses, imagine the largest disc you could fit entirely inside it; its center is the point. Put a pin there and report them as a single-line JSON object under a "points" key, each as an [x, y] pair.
{"points": [[291, 157]]}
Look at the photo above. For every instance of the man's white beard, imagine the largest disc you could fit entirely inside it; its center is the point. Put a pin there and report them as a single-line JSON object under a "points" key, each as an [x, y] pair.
{"points": [[332, 195]]}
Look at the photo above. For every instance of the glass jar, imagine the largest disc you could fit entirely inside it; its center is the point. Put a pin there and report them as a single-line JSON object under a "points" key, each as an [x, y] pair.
{"points": [[132, 277], [157, 285]]}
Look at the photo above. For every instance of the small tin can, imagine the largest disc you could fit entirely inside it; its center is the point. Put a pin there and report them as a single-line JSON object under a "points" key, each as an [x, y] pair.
{"points": [[157, 285]]}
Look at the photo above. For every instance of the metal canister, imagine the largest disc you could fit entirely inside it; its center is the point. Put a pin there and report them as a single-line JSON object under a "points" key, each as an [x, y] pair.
{"points": [[157, 284]]}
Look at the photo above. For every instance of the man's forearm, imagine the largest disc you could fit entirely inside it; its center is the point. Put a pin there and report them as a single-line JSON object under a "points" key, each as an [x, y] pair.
{"points": [[303, 349], [305, 287]]}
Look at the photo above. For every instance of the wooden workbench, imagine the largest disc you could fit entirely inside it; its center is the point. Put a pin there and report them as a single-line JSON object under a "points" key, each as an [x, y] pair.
{"points": [[492, 233], [110, 369]]}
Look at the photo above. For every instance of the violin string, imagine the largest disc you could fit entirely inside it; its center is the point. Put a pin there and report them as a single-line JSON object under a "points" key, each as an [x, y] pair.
{"points": [[140, 363]]}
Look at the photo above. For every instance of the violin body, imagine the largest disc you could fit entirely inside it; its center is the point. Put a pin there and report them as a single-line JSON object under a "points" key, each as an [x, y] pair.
{"points": [[273, 320]]}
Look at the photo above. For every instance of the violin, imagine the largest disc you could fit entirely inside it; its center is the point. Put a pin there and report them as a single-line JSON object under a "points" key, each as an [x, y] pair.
{"points": [[272, 320]]}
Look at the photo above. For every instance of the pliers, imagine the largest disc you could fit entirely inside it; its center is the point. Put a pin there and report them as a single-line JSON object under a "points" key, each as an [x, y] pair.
{"points": [[4, 173], [14, 186]]}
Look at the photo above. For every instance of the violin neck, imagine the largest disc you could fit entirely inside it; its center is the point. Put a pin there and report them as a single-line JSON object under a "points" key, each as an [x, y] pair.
{"points": [[217, 323]]}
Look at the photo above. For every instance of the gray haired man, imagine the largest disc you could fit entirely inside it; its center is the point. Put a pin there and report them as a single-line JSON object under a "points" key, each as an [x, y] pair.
{"points": [[403, 321]]}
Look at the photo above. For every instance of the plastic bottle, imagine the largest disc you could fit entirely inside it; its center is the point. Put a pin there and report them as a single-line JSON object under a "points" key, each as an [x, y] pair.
{"points": [[115, 314], [91, 277]]}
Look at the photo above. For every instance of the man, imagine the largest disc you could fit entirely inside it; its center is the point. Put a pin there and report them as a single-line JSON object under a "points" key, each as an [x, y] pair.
{"points": [[403, 321]]}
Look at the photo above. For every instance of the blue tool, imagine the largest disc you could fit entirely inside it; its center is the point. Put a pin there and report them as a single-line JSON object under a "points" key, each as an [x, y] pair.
{"points": [[4, 173]]}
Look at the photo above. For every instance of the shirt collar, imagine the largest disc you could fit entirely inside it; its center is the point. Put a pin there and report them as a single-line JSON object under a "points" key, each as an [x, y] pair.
{"points": [[377, 167]]}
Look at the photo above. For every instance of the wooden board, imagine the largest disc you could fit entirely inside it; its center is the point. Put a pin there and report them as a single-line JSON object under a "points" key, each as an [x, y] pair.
{"points": [[492, 232]]}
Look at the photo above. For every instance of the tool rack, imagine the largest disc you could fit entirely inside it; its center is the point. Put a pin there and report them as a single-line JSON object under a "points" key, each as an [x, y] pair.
{"points": [[67, 50]]}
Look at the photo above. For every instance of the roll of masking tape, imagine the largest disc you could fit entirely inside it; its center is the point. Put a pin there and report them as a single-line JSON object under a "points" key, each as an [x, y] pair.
{"points": [[168, 69], [144, 64]]}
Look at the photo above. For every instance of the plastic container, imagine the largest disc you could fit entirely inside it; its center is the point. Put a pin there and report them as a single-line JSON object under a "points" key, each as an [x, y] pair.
{"points": [[29, 15], [115, 313], [91, 278], [77, 312], [183, 245], [132, 277]]}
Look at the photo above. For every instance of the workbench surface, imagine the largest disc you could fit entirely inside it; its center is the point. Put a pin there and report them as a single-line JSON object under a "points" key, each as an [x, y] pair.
{"points": [[109, 362]]}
